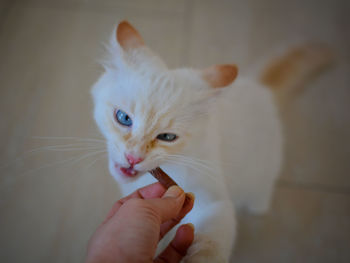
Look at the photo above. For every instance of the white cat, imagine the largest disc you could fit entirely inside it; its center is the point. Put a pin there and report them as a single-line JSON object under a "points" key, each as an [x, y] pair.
{"points": [[220, 141]]}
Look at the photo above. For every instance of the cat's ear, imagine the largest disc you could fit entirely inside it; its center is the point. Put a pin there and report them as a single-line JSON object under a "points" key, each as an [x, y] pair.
{"points": [[219, 76], [127, 36]]}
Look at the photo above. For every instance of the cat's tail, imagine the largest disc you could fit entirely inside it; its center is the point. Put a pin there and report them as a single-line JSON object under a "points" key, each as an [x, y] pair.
{"points": [[288, 73]]}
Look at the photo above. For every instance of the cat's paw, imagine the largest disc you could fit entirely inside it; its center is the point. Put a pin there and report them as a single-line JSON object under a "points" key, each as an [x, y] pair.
{"points": [[259, 203], [204, 250], [258, 207], [204, 257]]}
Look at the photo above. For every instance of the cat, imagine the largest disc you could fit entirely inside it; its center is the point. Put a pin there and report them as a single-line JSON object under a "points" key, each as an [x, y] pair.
{"points": [[216, 136]]}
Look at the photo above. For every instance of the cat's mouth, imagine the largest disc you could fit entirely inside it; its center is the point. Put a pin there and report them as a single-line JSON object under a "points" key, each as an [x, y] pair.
{"points": [[126, 171]]}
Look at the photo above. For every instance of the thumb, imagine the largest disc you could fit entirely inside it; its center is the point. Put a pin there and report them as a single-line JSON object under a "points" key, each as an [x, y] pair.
{"points": [[170, 204]]}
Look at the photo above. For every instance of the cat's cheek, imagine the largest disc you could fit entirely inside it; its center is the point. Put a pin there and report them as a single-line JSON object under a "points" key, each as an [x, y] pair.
{"points": [[113, 171], [148, 164], [115, 155]]}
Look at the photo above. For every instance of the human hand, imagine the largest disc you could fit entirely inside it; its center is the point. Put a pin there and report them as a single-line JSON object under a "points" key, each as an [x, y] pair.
{"points": [[135, 224]]}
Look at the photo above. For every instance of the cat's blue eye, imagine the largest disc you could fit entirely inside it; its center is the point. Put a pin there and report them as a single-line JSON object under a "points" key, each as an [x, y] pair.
{"points": [[168, 137], [123, 118]]}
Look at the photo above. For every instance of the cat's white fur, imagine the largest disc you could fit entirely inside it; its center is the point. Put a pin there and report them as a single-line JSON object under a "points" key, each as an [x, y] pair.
{"points": [[231, 136]]}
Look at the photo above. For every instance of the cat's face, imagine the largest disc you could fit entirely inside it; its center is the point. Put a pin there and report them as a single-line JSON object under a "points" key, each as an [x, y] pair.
{"points": [[144, 110]]}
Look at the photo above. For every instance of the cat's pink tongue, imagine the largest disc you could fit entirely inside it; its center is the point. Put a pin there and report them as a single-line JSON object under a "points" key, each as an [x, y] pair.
{"points": [[128, 171]]}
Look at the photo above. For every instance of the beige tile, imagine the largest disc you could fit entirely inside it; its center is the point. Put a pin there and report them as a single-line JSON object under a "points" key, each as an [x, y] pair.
{"points": [[302, 226], [50, 214], [220, 32], [243, 31], [173, 6], [148, 17], [316, 125], [51, 201], [49, 204], [159, 7], [3, 7], [56, 61]]}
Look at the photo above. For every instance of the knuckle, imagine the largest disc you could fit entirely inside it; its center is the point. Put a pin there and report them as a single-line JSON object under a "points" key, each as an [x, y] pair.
{"points": [[144, 209], [135, 203]]}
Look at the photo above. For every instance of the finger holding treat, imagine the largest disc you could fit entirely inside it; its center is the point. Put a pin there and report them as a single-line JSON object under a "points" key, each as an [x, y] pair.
{"points": [[162, 177]]}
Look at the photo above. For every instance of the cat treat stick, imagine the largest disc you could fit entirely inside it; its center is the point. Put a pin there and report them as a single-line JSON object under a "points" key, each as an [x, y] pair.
{"points": [[162, 177]]}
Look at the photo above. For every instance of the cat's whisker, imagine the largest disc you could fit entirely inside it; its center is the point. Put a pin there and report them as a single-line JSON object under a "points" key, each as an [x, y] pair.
{"points": [[156, 158], [191, 161], [200, 167], [54, 148], [75, 149], [194, 161], [191, 157], [210, 162], [74, 160], [64, 147], [68, 138], [216, 166], [94, 161], [191, 166], [45, 166], [87, 155], [187, 159], [204, 164], [76, 176]]}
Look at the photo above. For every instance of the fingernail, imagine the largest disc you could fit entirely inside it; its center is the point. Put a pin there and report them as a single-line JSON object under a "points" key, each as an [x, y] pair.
{"points": [[190, 225], [189, 199], [174, 191], [190, 196]]}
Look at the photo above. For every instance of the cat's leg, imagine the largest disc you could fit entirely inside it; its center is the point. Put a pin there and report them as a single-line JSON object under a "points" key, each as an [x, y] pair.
{"points": [[252, 189], [259, 199], [253, 196], [214, 233]]}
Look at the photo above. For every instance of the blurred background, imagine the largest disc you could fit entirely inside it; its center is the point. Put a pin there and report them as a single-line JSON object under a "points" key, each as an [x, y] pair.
{"points": [[54, 185]]}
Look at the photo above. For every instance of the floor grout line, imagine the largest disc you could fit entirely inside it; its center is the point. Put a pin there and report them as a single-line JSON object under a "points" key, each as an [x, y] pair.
{"points": [[7, 6], [188, 24], [316, 187], [95, 7]]}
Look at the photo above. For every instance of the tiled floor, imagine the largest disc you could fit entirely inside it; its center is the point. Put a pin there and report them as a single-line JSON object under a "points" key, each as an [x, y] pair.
{"points": [[50, 203]]}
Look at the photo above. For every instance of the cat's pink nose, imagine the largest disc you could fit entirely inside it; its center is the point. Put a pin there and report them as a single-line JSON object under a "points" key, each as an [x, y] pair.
{"points": [[133, 159]]}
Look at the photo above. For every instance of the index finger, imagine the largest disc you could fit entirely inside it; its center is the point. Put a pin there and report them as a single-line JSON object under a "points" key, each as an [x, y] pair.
{"points": [[155, 190]]}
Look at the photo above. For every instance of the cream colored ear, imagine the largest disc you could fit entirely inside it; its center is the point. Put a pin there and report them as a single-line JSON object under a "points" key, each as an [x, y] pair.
{"points": [[127, 36], [219, 76]]}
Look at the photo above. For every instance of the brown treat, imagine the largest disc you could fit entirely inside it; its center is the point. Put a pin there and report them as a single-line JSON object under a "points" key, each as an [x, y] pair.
{"points": [[162, 177]]}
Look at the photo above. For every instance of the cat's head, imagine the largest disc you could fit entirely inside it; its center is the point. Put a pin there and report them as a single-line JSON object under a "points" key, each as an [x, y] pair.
{"points": [[145, 110]]}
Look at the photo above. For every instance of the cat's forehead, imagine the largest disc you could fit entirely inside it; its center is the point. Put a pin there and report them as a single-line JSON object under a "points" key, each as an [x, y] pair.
{"points": [[156, 92], [159, 97]]}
